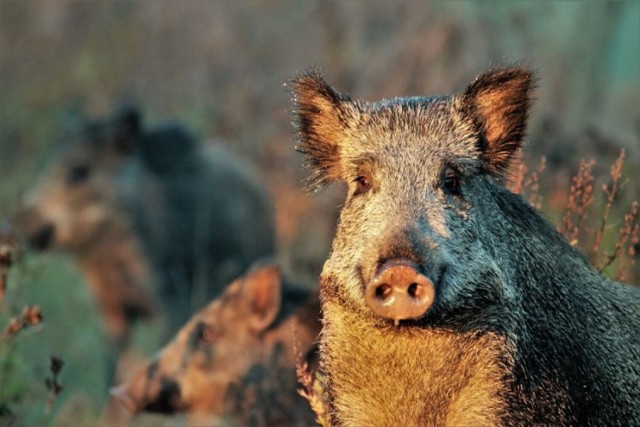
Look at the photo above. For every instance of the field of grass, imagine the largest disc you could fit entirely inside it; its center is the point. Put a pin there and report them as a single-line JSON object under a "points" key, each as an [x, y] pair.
{"points": [[219, 68]]}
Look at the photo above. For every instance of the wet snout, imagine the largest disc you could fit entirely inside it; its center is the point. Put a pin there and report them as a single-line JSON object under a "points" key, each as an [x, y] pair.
{"points": [[399, 291], [123, 395], [38, 230]]}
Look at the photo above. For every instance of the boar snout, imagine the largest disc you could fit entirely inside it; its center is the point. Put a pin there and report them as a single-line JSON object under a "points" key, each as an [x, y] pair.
{"points": [[149, 392], [42, 237], [168, 399], [122, 396], [399, 292]]}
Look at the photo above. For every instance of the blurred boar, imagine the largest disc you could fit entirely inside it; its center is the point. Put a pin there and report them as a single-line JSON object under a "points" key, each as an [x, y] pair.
{"points": [[447, 300], [233, 363], [193, 214]]}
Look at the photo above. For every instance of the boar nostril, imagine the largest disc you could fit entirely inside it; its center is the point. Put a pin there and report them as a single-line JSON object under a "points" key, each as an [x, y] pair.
{"points": [[383, 291], [412, 290], [168, 400], [399, 292]]}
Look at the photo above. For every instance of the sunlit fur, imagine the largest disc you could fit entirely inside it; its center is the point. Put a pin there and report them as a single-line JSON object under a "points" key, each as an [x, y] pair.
{"points": [[235, 359], [430, 377], [522, 331]]}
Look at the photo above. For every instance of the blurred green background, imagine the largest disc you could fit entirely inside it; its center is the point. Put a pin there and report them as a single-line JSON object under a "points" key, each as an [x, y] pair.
{"points": [[219, 67]]}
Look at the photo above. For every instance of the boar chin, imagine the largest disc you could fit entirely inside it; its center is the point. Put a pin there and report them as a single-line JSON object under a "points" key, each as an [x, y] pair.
{"points": [[166, 401], [121, 395]]}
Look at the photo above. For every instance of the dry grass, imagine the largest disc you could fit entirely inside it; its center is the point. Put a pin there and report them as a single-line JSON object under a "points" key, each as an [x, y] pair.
{"points": [[223, 83], [313, 388], [580, 198], [30, 316], [6, 260], [586, 222], [588, 225], [52, 383], [625, 248], [521, 181]]}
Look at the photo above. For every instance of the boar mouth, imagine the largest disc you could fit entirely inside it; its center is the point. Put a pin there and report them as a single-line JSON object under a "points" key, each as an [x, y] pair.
{"points": [[168, 401], [42, 238]]}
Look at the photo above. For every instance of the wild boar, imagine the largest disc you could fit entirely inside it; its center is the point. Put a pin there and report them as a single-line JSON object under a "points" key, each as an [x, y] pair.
{"points": [[234, 362], [120, 196], [447, 300]]}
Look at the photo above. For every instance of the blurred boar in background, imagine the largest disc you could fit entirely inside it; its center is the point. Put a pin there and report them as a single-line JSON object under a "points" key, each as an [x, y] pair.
{"points": [[234, 362], [121, 197], [448, 300]]}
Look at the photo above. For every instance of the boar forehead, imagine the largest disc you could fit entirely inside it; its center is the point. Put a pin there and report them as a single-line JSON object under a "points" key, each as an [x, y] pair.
{"points": [[405, 133]]}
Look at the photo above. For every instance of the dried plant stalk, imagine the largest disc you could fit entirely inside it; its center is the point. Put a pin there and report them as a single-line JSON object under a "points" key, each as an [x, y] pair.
{"points": [[313, 389], [6, 260], [611, 190], [53, 384], [628, 261], [30, 316], [517, 176], [580, 198], [533, 184], [624, 249], [521, 181], [313, 383]]}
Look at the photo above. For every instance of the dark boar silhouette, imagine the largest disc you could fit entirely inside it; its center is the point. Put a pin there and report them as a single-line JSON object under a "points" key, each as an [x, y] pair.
{"points": [[448, 300], [121, 197], [233, 363]]}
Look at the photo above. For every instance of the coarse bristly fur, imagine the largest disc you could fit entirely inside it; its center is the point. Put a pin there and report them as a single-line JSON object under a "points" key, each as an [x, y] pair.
{"points": [[522, 331], [233, 362]]}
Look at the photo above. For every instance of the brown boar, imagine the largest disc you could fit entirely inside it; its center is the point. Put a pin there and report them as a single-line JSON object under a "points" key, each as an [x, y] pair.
{"points": [[75, 207], [233, 363], [447, 300]]}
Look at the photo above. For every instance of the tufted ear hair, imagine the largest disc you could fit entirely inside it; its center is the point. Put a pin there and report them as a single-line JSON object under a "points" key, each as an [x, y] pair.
{"points": [[323, 118], [498, 103]]}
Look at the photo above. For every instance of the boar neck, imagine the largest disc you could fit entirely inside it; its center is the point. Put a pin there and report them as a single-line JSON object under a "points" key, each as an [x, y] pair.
{"points": [[116, 273], [290, 338], [297, 323], [544, 274], [422, 375], [559, 296]]}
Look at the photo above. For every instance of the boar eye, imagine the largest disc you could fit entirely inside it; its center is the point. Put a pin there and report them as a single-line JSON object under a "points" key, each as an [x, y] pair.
{"points": [[363, 184], [203, 335], [451, 181], [209, 335], [78, 174]]}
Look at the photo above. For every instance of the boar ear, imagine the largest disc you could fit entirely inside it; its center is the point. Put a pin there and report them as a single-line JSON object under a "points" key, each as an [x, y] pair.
{"points": [[262, 290], [498, 103], [322, 117], [127, 126], [165, 147]]}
